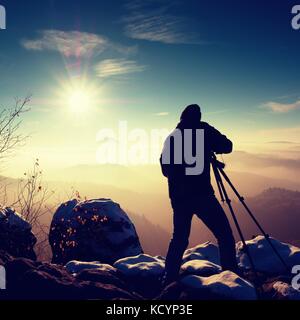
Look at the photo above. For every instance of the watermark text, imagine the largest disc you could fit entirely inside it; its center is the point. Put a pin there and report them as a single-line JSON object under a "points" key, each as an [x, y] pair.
{"points": [[296, 18], [2, 278], [2, 18], [296, 278], [138, 146]]}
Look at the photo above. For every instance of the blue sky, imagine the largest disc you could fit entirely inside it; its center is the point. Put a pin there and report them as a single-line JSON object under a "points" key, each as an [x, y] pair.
{"points": [[145, 60]]}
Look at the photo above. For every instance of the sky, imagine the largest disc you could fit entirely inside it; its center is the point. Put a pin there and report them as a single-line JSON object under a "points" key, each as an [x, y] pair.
{"points": [[91, 64]]}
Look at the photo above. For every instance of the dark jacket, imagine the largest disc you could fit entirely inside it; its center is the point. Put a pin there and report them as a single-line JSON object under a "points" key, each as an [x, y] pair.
{"points": [[191, 186]]}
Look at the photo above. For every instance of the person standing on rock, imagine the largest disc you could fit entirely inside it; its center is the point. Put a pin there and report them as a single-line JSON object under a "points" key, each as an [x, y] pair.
{"points": [[185, 161]]}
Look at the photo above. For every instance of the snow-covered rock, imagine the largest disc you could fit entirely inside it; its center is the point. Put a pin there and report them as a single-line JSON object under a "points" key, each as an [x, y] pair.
{"points": [[142, 273], [92, 230], [77, 266], [142, 265], [16, 237], [226, 285], [13, 219], [200, 268], [265, 260], [205, 251]]}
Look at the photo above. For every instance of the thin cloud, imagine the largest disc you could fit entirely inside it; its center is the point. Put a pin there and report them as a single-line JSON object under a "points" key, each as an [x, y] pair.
{"points": [[282, 107], [73, 43], [251, 160], [282, 142], [116, 67], [144, 22], [161, 114], [281, 134]]}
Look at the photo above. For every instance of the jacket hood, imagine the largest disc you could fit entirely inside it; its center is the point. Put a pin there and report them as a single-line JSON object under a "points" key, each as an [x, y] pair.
{"points": [[190, 117]]}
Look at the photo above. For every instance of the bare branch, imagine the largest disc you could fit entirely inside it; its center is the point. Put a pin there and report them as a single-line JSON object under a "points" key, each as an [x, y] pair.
{"points": [[10, 122]]}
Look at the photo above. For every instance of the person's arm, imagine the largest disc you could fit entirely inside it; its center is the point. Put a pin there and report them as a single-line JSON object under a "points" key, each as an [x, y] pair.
{"points": [[219, 142]]}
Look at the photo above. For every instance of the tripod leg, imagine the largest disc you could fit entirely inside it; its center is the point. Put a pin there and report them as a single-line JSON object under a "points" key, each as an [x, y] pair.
{"points": [[242, 200], [228, 201], [218, 178]]}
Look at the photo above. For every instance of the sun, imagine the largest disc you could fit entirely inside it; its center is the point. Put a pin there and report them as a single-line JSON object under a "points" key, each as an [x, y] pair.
{"points": [[79, 96], [79, 100]]}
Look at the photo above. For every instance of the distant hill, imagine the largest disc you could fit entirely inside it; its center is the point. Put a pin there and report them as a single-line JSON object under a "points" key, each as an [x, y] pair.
{"points": [[148, 178], [154, 239], [135, 178], [143, 189], [250, 184], [277, 210]]}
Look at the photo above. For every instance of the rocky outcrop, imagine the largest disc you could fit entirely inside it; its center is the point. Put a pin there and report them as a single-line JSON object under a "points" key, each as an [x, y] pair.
{"points": [[138, 277], [30, 280], [110, 264], [16, 237], [92, 230]]}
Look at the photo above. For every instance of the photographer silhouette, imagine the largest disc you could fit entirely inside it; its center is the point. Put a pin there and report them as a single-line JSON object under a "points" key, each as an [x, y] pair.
{"points": [[194, 194]]}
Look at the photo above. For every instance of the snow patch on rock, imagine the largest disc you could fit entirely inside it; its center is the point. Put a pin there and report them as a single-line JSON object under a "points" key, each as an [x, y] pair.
{"points": [[200, 267], [227, 285], [265, 260], [77, 266], [16, 236], [206, 251], [14, 220], [142, 265]]}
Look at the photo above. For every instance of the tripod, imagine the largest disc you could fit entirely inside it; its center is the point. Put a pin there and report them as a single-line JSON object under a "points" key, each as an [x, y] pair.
{"points": [[218, 168]]}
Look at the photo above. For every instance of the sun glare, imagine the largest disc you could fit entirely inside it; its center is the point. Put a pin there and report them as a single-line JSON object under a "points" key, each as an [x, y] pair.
{"points": [[78, 95], [79, 100]]}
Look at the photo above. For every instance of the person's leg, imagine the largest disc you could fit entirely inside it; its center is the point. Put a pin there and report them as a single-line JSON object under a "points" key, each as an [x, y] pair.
{"points": [[214, 217], [182, 219]]}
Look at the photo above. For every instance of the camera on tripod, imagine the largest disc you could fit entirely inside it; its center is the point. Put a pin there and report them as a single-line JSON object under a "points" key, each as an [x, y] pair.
{"points": [[216, 162]]}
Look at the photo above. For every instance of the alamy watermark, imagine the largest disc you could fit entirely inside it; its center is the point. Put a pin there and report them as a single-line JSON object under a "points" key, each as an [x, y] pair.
{"points": [[2, 18], [296, 18], [178, 149], [296, 278], [139, 147], [2, 278]]}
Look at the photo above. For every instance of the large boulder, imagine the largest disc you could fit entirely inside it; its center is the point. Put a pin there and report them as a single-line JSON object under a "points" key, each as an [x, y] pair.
{"points": [[16, 237], [264, 258], [92, 230]]}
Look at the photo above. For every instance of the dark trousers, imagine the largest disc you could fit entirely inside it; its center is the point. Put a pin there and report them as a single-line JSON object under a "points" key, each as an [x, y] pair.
{"points": [[210, 211]]}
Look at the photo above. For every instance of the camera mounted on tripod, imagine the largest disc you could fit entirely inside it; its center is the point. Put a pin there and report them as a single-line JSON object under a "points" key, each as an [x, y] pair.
{"points": [[216, 162]]}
